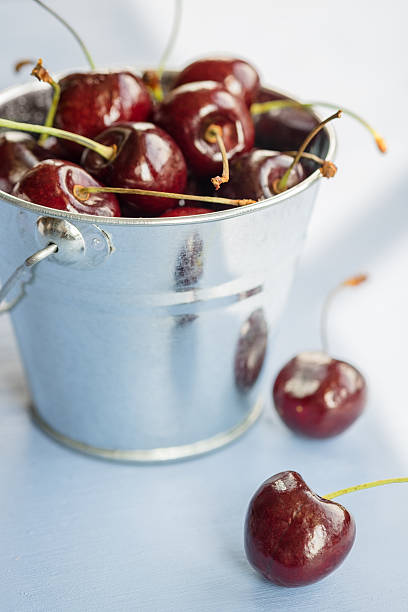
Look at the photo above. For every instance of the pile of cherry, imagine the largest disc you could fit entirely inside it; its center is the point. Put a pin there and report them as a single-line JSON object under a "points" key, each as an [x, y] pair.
{"points": [[122, 148], [172, 146]]}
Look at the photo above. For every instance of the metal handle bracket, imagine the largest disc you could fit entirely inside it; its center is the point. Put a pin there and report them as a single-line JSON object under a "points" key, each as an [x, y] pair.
{"points": [[23, 275]]}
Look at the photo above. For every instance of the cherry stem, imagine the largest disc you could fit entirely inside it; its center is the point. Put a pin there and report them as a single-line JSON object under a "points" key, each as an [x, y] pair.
{"points": [[214, 134], [44, 76], [18, 66], [71, 29], [152, 78], [281, 185], [178, 6], [327, 168], [263, 107], [312, 156], [353, 281], [367, 485], [104, 151], [82, 193]]}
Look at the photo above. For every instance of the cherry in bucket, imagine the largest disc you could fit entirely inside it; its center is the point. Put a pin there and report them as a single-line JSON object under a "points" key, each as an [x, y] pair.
{"points": [[261, 174], [90, 102], [236, 75], [316, 395], [18, 153], [52, 182], [295, 537], [147, 158], [281, 123], [194, 113]]}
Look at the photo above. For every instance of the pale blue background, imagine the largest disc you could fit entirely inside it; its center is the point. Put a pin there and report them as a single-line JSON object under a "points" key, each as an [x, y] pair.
{"points": [[78, 534]]}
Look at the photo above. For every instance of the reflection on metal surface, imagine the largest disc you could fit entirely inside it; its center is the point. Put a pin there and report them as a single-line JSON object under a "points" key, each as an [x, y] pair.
{"points": [[251, 349], [189, 265], [157, 455]]}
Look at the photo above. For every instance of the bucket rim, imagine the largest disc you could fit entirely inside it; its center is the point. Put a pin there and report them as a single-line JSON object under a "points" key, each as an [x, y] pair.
{"points": [[212, 216]]}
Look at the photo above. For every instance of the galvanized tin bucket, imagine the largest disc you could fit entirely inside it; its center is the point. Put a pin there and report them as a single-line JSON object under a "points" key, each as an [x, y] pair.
{"points": [[148, 339]]}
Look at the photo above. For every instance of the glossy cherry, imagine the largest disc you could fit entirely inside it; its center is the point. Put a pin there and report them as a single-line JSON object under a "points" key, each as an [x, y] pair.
{"points": [[51, 182], [253, 174], [294, 537], [284, 129], [18, 153], [316, 395], [281, 121], [91, 102], [187, 113], [183, 211], [236, 75], [147, 158]]}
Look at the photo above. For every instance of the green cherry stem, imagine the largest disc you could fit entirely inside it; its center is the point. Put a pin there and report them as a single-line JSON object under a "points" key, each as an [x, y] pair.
{"points": [[82, 193], [358, 279], [281, 185], [152, 78], [178, 6], [263, 107], [367, 485], [71, 29], [104, 151], [43, 75]]}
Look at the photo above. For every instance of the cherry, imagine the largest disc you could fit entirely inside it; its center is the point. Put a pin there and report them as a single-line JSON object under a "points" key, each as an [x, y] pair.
{"points": [[294, 537], [51, 183], [18, 153], [261, 174], [281, 121], [190, 112], [254, 174], [284, 128], [131, 160], [147, 158], [183, 211], [236, 75], [316, 395], [91, 102]]}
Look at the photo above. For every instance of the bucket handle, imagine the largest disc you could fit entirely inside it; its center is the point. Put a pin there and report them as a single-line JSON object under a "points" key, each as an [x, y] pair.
{"points": [[23, 274]]}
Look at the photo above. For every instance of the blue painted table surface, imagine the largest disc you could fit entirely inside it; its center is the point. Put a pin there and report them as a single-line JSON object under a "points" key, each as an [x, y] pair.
{"points": [[80, 534]]}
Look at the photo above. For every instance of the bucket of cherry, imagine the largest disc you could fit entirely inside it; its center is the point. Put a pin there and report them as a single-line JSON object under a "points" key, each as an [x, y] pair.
{"points": [[150, 226]]}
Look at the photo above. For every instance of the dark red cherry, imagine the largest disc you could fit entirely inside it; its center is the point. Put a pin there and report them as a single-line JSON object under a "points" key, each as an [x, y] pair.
{"points": [[55, 148], [236, 75], [188, 111], [253, 174], [183, 211], [318, 396], [51, 183], [18, 153], [91, 102], [147, 158], [285, 129], [294, 537]]}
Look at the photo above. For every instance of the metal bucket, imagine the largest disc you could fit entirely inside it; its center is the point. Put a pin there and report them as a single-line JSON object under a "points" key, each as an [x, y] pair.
{"points": [[148, 339]]}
